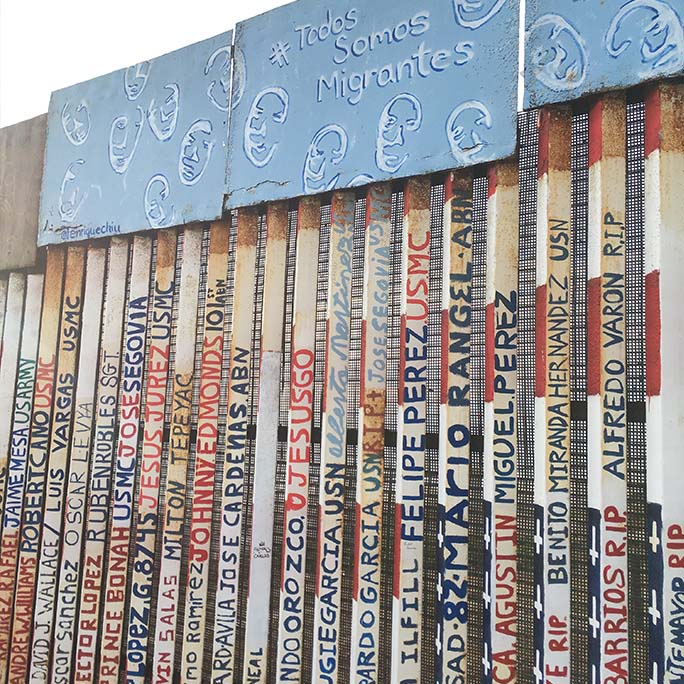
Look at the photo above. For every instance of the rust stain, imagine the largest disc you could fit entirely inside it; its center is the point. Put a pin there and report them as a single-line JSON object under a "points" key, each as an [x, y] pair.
{"points": [[614, 125], [374, 402], [219, 238], [166, 249], [309, 217], [276, 221], [248, 227], [560, 138]]}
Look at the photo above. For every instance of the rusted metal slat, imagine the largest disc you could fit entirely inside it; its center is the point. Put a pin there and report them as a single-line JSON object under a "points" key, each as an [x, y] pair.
{"points": [[18, 457], [146, 513], [77, 473], [173, 506], [299, 440], [129, 435], [260, 570], [100, 484], [57, 466], [454, 435], [664, 240]]}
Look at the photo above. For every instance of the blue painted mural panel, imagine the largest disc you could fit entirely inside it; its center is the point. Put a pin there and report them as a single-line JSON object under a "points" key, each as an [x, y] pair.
{"points": [[332, 95], [584, 46], [144, 147]]}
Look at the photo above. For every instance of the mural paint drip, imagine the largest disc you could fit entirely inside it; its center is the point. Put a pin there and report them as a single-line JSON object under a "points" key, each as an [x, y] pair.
{"points": [[154, 133]]}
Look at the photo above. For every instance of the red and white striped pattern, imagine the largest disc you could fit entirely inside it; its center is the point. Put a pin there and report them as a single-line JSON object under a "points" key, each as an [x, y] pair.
{"points": [[664, 256]]}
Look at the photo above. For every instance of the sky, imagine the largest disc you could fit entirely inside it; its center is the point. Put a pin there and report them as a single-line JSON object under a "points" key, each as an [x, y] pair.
{"points": [[46, 45]]}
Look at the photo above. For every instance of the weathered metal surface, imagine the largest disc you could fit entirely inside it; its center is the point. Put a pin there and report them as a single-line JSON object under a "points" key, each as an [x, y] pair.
{"points": [[22, 151], [370, 471], [454, 439], [21, 425], [103, 454], [233, 482], [130, 413], [197, 595], [139, 148], [56, 466], [333, 96], [299, 437], [500, 446], [260, 564], [606, 350], [329, 595], [664, 382], [552, 402], [76, 473], [589, 46], [151, 458], [411, 429], [168, 590]]}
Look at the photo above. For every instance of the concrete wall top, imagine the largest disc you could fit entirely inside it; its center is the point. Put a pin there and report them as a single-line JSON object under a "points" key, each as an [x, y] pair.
{"points": [[22, 148]]}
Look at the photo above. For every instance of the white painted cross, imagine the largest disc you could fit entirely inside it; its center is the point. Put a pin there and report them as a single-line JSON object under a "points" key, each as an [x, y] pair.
{"points": [[485, 660], [653, 608], [594, 675], [538, 674], [538, 606], [594, 551], [486, 596], [654, 676], [594, 619], [538, 539], [654, 539], [487, 534]]}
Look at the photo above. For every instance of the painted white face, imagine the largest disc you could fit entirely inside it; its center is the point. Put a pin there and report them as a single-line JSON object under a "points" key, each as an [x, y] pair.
{"points": [[326, 152], [466, 129], [76, 123], [124, 137], [267, 114], [559, 60], [218, 69], [71, 195], [239, 76], [195, 153], [135, 80], [401, 116], [163, 117], [159, 210], [654, 28], [473, 14]]}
